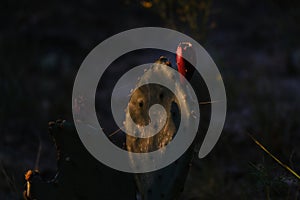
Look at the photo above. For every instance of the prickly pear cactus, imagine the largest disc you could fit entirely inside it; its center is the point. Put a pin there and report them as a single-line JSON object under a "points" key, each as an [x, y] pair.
{"points": [[166, 183], [79, 176]]}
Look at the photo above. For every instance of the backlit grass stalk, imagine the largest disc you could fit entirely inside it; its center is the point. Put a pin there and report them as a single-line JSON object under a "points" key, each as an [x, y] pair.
{"points": [[275, 158]]}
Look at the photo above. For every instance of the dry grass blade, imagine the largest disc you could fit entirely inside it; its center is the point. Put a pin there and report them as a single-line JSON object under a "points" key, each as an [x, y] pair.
{"points": [[10, 180], [38, 156], [209, 102], [115, 132], [276, 159]]}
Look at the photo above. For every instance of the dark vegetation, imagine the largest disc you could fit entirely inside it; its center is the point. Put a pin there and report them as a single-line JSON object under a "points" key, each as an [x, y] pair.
{"points": [[256, 46]]}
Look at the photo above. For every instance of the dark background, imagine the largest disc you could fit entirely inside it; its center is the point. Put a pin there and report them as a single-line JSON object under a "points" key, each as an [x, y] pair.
{"points": [[255, 45]]}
